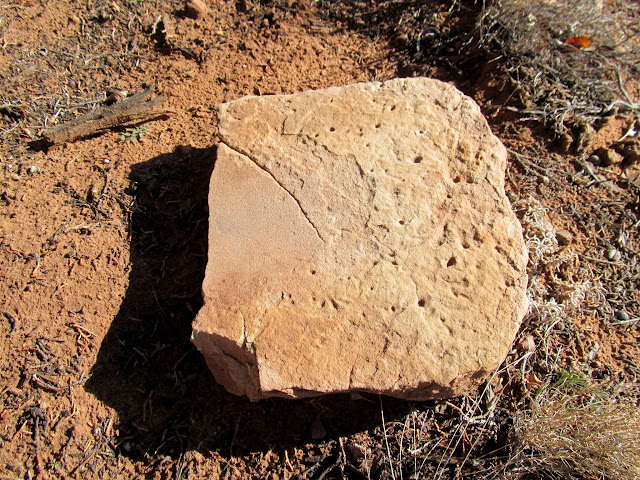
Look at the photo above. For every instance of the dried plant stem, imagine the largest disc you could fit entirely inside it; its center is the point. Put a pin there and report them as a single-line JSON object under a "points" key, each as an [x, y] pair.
{"points": [[136, 108]]}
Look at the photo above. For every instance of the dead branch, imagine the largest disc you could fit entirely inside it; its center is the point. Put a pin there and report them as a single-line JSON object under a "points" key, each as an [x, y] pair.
{"points": [[134, 109]]}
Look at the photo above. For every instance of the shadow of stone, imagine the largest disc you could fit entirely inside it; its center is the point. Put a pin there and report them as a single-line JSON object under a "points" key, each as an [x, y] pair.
{"points": [[165, 397]]}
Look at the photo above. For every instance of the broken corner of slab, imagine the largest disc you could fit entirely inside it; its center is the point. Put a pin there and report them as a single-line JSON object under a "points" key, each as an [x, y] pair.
{"points": [[359, 240]]}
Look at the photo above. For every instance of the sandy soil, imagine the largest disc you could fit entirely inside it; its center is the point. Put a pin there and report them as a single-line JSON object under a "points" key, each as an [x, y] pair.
{"points": [[103, 248]]}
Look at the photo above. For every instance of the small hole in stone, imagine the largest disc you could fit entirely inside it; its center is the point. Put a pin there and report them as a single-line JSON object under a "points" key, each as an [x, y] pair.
{"points": [[456, 180], [393, 107], [393, 308], [401, 222], [465, 245], [313, 272], [371, 288], [421, 302], [377, 125], [452, 261], [332, 129], [418, 159], [449, 196]]}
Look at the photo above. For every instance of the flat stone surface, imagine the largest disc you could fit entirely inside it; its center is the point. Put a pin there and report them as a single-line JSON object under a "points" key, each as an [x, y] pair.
{"points": [[359, 240]]}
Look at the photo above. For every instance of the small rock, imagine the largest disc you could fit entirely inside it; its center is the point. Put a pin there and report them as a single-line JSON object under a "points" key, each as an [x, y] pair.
{"points": [[622, 315], [613, 255], [195, 8], [564, 237], [609, 156], [527, 344], [594, 160], [250, 45]]}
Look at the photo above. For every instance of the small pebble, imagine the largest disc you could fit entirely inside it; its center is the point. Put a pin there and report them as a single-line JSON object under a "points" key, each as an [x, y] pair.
{"points": [[622, 315], [195, 8], [613, 255], [594, 160], [250, 45], [564, 237], [527, 344], [127, 447], [33, 170]]}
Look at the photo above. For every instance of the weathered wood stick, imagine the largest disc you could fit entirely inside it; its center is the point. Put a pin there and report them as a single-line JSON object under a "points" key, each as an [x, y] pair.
{"points": [[133, 109]]}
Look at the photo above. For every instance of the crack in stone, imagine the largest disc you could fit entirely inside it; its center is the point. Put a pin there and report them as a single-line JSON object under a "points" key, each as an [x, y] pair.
{"points": [[268, 172]]}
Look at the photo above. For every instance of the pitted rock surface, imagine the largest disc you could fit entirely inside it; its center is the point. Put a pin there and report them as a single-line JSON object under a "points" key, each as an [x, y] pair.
{"points": [[359, 240]]}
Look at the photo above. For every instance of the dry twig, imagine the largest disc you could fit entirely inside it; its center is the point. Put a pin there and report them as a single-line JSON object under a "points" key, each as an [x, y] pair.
{"points": [[134, 109]]}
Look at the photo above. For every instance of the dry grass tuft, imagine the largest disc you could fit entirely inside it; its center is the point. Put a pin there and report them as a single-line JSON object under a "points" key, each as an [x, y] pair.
{"points": [[561, 80], [599, 440], [558, 285]]}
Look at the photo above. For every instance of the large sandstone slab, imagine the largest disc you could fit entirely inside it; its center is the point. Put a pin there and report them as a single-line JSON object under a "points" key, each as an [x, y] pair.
{"points": [[359, 239]]}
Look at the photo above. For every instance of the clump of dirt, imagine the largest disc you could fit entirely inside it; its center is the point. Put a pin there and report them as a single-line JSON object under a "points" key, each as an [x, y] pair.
{"points": [[103, 245]]}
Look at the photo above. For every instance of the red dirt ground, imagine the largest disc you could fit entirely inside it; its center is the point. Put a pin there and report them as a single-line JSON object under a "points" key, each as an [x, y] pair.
{"points": [[103, 243]]}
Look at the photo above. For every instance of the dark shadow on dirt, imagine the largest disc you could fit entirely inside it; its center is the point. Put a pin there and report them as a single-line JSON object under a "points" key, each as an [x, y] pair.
{"points": [[147, 369], [434, 38]]}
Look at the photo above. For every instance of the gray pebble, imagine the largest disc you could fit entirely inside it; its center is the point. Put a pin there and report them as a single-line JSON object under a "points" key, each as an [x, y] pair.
{"points": [[613, 255], [594, 160], [622, 315]]}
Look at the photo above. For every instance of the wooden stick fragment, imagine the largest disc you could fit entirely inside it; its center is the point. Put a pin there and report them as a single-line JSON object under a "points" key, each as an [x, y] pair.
{"points": [[136, 108]]}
